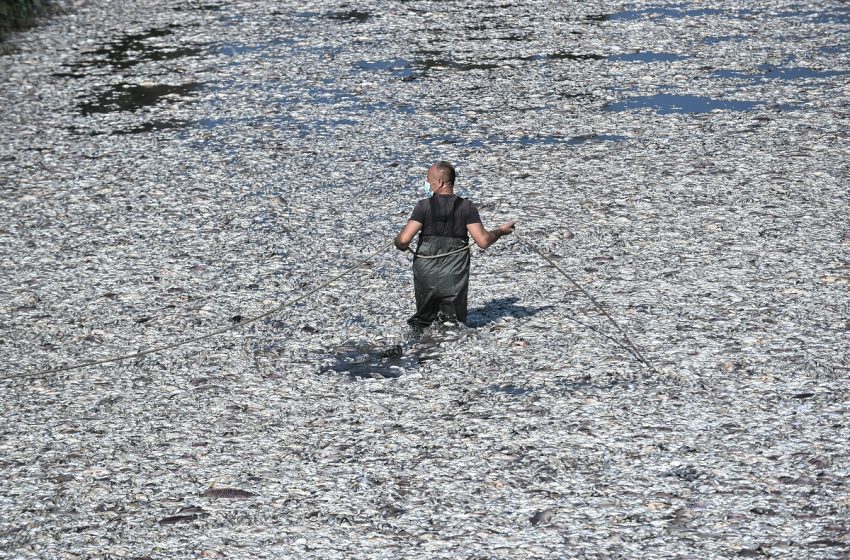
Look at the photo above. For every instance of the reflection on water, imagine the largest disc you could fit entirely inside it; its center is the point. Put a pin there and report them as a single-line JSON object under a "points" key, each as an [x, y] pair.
{"points": [[130, 97], [665, 103], [234, 49]]}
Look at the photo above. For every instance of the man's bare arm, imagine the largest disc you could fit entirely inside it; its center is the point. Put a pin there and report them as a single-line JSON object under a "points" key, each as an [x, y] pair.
{"points": [[484, 238], [405, 237]]}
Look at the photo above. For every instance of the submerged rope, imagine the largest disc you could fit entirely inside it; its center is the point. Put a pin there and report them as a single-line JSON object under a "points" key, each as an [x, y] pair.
{"points": [[198, 338], [632, 347]]}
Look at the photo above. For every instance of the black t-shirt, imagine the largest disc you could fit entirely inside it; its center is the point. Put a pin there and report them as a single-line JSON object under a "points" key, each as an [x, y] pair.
{"points": [[465, 214]]}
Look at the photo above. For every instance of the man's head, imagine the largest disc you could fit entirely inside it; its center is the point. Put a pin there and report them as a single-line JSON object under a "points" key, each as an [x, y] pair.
{"points": [[441, 177]]}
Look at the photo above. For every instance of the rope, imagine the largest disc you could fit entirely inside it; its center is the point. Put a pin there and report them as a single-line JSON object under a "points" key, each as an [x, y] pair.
{"points": [[632, 348], [418, 256], [198, 338]]}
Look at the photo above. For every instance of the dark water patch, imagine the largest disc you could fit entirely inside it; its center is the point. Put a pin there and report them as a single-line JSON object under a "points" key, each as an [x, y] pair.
{"points": [[134, 49], [834, 49], [771, 72], [371, 362], [348, 16], [68, 74], [130, 97], [666, 103], [563, 55], [433, 60], [646, 57]]}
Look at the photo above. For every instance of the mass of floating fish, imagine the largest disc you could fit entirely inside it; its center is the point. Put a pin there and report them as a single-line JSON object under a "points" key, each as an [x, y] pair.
{"points": [[170, 168]]}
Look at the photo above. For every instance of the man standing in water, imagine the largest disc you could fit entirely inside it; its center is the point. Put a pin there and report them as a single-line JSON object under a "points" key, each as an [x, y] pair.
{"points": [[443, 221]]}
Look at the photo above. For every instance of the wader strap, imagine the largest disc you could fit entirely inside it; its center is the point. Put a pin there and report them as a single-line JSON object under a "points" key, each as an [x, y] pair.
{"points": [[439, 221]]}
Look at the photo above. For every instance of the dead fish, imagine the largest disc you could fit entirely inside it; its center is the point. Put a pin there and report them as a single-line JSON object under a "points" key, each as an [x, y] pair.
{"points": [[392, 351], [233, 493], [543, 517], [174, 519]]}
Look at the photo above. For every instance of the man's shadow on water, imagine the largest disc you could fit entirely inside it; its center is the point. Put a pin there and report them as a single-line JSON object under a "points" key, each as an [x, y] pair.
{"points": [[498, 308]]}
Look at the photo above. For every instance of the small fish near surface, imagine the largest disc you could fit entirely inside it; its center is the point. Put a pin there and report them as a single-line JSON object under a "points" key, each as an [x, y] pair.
{"points": [[185, 514]]}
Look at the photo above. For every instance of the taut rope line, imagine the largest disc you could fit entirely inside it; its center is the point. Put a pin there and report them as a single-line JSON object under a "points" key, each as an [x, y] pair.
{"points": [[202, 337], [632, 348]]}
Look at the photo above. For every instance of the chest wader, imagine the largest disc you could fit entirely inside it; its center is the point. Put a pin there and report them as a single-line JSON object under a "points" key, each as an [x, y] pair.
{"points": [[440, 284]]}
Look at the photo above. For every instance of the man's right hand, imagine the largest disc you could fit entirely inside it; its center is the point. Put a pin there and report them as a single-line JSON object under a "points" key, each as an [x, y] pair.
{"points": [[507, 228]]}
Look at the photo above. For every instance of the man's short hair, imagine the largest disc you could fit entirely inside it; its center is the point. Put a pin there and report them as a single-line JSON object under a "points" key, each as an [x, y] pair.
{"points": [[445, 171]]}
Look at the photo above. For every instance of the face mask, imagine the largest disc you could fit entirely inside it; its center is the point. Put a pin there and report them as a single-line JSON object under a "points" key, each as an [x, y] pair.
{"points": [[426, 189]]}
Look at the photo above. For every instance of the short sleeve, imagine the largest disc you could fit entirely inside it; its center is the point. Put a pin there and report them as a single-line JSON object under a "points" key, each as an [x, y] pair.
{"points": [[418, 214], [472, 216]]}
